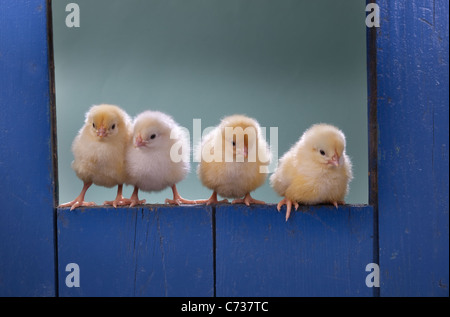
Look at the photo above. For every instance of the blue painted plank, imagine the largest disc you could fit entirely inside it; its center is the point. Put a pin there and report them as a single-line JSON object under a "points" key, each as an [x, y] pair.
{"points": [[320, 251], [101, 242], [27, 260], [413, 148], [179, 241], [150, 251]]}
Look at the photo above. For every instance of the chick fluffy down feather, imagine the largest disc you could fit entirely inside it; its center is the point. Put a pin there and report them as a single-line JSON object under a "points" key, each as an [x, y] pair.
{"points": [[151, 167], [102, 160], [303, 174], [233, 179]]}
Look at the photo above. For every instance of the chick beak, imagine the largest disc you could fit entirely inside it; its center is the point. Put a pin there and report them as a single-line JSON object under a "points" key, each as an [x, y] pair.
{"points": [[101, 132], [334, 160], [245, 151], [139, 141]]}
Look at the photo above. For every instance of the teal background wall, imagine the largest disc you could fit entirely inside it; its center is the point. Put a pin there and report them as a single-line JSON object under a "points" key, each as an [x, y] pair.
{"points": [[288, 64]]}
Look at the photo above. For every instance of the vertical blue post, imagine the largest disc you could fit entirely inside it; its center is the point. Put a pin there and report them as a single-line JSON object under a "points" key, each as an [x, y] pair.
{"points": [[413, 147], [27, 173]]}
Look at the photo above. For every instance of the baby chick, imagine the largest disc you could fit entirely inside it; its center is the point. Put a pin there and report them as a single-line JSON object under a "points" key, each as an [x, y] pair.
{"points": [[315, 170], [158, 156], [234, 159], [99, 152]]}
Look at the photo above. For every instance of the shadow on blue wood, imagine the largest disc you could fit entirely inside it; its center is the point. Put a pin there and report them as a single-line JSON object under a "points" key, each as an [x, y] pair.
{"points": [[150, 251], [320, 251]]}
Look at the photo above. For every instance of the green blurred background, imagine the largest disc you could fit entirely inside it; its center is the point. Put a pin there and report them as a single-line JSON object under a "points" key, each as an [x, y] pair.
{"points": [[287, 63]]}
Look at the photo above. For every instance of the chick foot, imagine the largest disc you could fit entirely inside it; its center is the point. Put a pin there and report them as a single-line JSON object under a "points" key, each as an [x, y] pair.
{"points": [[79, 201], [288, 204], [134, 199], [119, 201], [336, 203], [248, 200], [211, 200], [177, 199]]}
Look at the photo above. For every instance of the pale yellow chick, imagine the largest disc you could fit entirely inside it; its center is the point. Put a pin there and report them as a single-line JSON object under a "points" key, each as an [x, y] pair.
{"points": [[158, 156], [99, 152], [234, 159], [315, 170]]}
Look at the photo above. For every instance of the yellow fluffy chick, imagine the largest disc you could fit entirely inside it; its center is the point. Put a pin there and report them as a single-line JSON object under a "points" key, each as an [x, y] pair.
{"points": [[158, 156], [234, 159], [315, 170], [99, 152]]}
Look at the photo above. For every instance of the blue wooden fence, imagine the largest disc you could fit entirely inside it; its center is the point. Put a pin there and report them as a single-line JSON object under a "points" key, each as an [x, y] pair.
{"points": [[412, 104], [228, 250], [223, 250], [27, 225]]}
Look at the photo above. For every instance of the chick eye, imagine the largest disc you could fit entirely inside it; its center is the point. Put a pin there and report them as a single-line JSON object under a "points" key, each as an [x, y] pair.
{"points": [[234, 143], [322, 152], [153, 136], [93, 125], [113, 126]]}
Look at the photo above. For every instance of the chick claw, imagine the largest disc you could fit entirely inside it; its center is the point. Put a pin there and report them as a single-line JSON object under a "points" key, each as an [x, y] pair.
{"points": [[134, 199], [336, 203], [180, 200], [288, 204], [77, 203], [119, 201], [211, 200], [177, 199], [248, 200], [134, 202]]}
